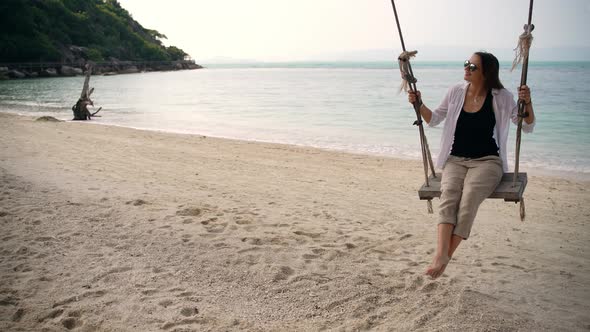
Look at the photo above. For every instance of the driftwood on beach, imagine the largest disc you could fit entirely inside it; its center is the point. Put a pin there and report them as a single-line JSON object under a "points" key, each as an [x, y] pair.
{"points": [[80, 110]]}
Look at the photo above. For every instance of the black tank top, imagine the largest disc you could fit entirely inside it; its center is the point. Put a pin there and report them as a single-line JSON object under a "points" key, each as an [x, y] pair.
{"points": [[474, 135]]}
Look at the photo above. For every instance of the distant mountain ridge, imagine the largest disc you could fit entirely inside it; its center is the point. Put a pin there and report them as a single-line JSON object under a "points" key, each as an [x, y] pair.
{"points": [[452, 53], [71, 31]]}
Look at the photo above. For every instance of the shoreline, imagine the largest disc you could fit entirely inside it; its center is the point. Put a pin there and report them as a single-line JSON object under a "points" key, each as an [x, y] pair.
{"points": [[110, 228], [538, 172], [9, 71], [533, 171]]}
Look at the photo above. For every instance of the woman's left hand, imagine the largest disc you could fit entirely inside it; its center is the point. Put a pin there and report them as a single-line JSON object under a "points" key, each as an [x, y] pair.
{"points": [[524, 93]]}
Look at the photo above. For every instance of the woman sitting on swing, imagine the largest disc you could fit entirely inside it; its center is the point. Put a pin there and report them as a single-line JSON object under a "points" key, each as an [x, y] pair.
{"points": [[473, 147]]}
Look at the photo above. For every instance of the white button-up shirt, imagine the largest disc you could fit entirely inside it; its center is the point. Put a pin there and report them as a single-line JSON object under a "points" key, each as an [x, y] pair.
{"points": [[505, 110]]}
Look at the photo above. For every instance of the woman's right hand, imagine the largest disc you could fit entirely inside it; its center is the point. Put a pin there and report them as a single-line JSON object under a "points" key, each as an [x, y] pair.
{"points": [[414, 96], [425, 112]]}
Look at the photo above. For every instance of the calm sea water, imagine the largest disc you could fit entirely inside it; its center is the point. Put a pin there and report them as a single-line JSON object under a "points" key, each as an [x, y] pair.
{"points": [[344, 106]]}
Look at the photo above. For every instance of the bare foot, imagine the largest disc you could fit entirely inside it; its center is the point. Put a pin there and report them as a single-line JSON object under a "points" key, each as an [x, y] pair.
{"points": [[438, 266], [444, 267]]}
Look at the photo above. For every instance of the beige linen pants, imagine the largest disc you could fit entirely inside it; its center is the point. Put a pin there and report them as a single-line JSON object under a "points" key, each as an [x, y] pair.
{"points": [[466, 183]]}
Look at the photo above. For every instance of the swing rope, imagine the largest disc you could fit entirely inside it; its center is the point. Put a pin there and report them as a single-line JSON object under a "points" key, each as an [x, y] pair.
{"points": [[409, 84], [522, 55]]}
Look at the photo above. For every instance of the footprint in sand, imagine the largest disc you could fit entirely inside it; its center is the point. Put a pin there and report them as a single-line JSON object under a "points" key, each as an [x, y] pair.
{"points": [[186, 237], [170, 325], [240, 220], [165, 303], [52, 314], [190, 212], [18, 315], [253, 241], [211, 226], [71, 323], [309, 256], [339, 303], [208, 221], [149, 292], [350, 245], [189, 311], [284, 273], [311, 235], [74, 313], [567, 274], [113, 271], [136, 202], [186, 294], [76, 298]]}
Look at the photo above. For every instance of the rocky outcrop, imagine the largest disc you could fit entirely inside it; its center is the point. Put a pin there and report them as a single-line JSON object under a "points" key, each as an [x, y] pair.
{"points": [[75, 59], [16, 74], [3, 73], [111, 67]]}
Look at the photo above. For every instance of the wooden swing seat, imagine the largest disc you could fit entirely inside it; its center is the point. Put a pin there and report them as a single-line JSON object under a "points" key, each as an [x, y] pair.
{"points": [[504, 190]]}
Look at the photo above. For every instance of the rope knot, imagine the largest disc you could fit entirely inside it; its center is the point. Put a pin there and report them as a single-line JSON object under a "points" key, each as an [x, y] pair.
{"points": [[525, 41], [404, 67]]}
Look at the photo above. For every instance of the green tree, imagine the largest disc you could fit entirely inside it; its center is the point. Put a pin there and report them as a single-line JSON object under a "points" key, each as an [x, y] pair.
{"points": [[43, 30]]}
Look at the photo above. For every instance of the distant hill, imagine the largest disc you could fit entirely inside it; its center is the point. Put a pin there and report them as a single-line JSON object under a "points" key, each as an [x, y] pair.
{"points": [[75, 30], [458, 53]]}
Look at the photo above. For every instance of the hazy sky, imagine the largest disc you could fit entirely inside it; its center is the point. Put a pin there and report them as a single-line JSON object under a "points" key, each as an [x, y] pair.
{"points": [[278, 30]]}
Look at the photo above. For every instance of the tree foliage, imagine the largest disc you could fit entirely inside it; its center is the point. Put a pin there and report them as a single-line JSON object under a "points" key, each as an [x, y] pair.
{"points": [[44, 30]]}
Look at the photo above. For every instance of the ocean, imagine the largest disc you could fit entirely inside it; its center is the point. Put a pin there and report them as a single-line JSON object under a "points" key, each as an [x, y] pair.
{"points": [[346, 106]]}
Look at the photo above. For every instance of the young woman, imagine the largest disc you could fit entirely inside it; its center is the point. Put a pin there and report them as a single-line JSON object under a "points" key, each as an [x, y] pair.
{"points": [[473, 147]]}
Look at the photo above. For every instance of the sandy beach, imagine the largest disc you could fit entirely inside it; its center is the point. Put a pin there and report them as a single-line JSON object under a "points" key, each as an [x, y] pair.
{"points": [[106, 228]]}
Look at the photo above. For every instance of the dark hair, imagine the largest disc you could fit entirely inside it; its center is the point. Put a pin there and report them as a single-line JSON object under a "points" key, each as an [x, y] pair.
{"points": [[490, 70]]}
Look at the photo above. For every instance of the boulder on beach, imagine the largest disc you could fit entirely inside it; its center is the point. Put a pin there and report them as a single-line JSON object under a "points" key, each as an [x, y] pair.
{"points": [[16, 74], [47, 118]]}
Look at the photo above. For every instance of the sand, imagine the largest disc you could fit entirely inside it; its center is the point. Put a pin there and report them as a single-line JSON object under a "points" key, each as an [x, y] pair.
{"points": [[105, 228]]}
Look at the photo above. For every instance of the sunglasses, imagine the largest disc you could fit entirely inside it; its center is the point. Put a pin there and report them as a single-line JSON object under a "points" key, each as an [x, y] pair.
{"points": [[472, 66]]}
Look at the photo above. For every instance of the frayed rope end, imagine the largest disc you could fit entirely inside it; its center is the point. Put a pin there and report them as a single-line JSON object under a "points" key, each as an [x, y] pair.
{"points": [[525, 40]]}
